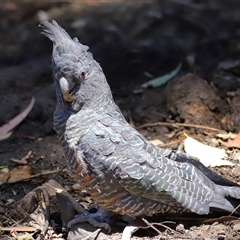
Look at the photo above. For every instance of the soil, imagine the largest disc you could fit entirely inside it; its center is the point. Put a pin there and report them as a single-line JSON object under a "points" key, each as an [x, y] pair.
{"points": [[133, 41]]}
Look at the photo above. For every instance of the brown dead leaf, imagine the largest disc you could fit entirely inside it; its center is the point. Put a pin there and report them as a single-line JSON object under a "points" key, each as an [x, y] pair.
{"points": [[156, 142], [7, 177], [233, 143], [16, 174]]}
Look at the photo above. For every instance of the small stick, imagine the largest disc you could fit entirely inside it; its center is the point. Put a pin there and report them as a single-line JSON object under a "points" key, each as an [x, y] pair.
{"points": [[24, 159], [180, 125], [236, 208], [150, 225], [60, 171]]}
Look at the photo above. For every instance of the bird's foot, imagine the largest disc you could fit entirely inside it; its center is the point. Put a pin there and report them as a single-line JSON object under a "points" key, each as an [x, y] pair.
{"points": [[98, 219]]}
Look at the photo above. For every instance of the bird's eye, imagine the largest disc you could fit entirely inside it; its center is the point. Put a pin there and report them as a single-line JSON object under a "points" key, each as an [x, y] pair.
{"points": [[83, 75]]}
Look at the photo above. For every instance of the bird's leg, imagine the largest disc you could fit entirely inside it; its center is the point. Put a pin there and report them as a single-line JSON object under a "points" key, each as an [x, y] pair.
{"points": [[99, 219]]}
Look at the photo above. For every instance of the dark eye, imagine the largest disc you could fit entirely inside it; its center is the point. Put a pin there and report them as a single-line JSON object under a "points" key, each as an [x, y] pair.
{"points": [[82, 75]]}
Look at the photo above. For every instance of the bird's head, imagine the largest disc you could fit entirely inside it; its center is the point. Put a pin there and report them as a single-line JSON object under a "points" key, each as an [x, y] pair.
{"points": [[79, 78]]}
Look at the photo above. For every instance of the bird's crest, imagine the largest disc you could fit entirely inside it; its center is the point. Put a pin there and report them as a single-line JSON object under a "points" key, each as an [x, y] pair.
{"points": [[59, 36]]}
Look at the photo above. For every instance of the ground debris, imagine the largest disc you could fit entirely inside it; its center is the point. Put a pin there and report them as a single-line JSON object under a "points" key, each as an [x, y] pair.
{"points": [[153, 37]]}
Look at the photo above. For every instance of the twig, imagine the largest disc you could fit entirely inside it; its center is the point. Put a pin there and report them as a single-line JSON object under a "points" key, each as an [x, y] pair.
{"points": [[61, 170], [180, 125], [168, 228], [189, 4], [236, 208], [150, 225], [173, 232], [162, 225], [91, 234], [22, 160], [18, 229]]}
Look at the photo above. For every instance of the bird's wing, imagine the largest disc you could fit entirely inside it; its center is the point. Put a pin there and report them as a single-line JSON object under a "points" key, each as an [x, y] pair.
{"points": [[185, 158], [137, 165]]}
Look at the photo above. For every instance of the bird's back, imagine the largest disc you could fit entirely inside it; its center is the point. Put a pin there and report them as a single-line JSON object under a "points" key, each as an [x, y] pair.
{"points": [[120, 168]]}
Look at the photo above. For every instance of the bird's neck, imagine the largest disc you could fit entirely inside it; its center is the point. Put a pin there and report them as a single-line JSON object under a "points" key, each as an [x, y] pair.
{"points": [[102, 103]]}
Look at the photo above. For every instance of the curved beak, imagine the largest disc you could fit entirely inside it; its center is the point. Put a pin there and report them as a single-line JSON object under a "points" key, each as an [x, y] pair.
{"points": [[67, 96], [66, 88]]}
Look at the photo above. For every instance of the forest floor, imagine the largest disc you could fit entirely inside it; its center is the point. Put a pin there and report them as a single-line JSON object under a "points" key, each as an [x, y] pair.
{"points": [[134, 41]]}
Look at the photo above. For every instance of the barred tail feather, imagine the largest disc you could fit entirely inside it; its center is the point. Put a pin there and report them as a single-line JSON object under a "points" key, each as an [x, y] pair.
{"points": [[226, 198]]}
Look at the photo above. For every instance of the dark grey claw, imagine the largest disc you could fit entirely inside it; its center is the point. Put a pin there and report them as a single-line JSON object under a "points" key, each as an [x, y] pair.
{"points": [[100, 219]]}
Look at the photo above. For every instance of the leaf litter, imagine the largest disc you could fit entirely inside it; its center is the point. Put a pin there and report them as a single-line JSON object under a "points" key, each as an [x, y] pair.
{"points": [[207, 44], [207, 155], [235, 143]]}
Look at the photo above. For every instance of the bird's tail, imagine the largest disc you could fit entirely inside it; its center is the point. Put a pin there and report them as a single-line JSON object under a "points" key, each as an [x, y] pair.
{"points": [[227, 199]]}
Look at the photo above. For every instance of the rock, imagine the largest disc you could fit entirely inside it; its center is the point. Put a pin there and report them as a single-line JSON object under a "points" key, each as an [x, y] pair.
{"points": [[236, 227]]}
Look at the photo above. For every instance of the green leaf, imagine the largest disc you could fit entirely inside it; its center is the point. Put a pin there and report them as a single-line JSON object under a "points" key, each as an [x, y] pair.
{"points": [[157, 82]]}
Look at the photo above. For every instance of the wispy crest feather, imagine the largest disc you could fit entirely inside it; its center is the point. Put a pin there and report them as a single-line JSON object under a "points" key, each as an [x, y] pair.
{"points": [[59, 36], [54, 32]]}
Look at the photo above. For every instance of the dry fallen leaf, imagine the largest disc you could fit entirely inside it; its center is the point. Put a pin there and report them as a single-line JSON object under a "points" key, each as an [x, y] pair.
{"points": [[226, 136], [233, 143], [128, 231], [15, 121], [209, 156], [156, 142], [16, 174], [24, 177]]}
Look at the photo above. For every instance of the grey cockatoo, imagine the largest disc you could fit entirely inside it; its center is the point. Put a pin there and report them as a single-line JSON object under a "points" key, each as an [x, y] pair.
{"points": [[122, 171]]}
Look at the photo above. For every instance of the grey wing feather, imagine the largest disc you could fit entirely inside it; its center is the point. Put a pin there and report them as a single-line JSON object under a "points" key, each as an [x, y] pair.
{"points": [[183, 157], [143, 174]]}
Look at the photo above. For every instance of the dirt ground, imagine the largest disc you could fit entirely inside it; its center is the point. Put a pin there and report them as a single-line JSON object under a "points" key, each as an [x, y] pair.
{"points": [[134, 41]]}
